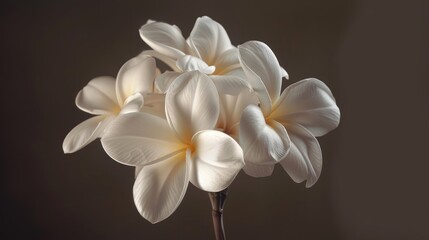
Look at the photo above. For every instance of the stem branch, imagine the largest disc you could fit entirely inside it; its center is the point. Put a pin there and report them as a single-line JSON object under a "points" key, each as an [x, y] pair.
{"points": [[217, 200]]}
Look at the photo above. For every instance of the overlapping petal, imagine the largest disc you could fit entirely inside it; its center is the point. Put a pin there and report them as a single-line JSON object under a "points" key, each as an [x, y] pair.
{"points": [[98, 96], [262, 142], [262, 71], [191, 63], [216, 160], [139, 139], [85, 133], [309, 103], [227, 62], [164, 38], [192, 104], [304, 161], [260, 63], [209, 39], [133, 103], [136, 75], [160, 187], [163, 81], [258, 170], [235, 95]]}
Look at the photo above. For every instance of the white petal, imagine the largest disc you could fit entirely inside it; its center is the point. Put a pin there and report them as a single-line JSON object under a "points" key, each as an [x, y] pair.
{"points": [[262, 142], [262, 70], [159, 188], [209, 39], [154, 104], [284, 73], [304, 161], [310, 103], [86, 132], [164, 38], [171, 62], [133, 103], [163, 81], [192, 104], [139, 139], [136, 75], [98, 96], [256, 170], [227, 62], [190, 63], [235, 95], [216, 160]]}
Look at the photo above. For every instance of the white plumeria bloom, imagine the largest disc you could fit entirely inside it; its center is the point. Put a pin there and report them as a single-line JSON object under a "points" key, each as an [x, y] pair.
{"points": [[103, 96], [284, 127], [171, 152], [207, 49]]}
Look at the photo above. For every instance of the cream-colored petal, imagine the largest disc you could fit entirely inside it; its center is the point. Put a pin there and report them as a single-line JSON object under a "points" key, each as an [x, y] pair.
{"points": [[163, 81], [262, 142], [133, 103], [139, 139], [164, 38], [154, 104], [309, 103], [216, 160], [171, 62], [227, 62], [192, 104], [256, 170], [209, 39], [86, 132], [136, 75], [160, 187], [284, 73], [304, 161], [259, 61], [98, 96], [190, 63], [235, 95]]}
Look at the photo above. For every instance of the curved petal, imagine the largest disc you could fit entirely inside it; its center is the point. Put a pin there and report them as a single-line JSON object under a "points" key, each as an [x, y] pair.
{"points": [[86, 132], [209, 39], [190, 63], [133, 103], [139, 139], [309, 103], [227, 62], [284, 73], [255, 170], [136, 75], [192, 104], [235, 95], [262, 142], [160, 187], [163, 81], [259, 58], [171, 62], [216, 160], [304, 161], [164, 38], [98, 96], [247, 60]]}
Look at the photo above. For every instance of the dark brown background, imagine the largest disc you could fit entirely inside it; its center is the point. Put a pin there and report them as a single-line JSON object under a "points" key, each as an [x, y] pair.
{"points": [[372, 54]]}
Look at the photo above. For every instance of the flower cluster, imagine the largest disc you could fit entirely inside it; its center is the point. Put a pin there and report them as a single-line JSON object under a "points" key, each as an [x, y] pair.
{"points": [[218, 110]]}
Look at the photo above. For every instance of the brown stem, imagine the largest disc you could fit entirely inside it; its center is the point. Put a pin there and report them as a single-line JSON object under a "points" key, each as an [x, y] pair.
{"points": [[217, 200]]}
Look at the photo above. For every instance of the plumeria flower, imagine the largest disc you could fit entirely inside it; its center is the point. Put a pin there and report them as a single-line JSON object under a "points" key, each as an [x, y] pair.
{"points": [[207, 49], [168, 153], [284, 125], [106, 98]]}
